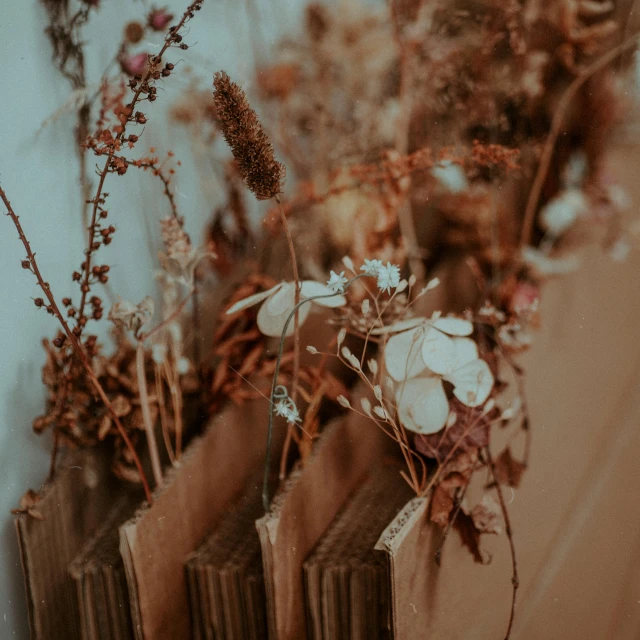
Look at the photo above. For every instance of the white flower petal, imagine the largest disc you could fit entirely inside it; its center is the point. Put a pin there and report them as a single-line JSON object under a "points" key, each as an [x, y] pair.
{"points": [[454, 326], [465, 350], [282, 299], [422, 405], [245, 303], [271, 323], [438, 352], [472, 383], [311, 288], [403, 354]]}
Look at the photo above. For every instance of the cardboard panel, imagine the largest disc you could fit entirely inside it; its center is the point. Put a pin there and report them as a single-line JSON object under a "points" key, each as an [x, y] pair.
{"points": [[582, 379], [155, 543], [73, 506], [303, 510]]}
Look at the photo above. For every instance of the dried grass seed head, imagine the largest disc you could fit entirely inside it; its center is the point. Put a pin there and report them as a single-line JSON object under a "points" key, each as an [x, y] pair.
{"points": [[250, 145]]}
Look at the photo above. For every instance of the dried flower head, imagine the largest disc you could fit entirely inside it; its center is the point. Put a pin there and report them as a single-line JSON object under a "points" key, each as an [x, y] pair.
{"points": [[250, 145], [132, 316]]}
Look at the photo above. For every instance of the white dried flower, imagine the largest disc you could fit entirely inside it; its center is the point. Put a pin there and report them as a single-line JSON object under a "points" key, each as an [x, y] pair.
{"points": [[372, 363], [348, 262], [279, 302], [366, 406], [388, 277], [372, 267], [365, 307], [132, 316], [336, 282], [342, 401], [420, 359], [312, 350], [288, 410], [380, 412]]}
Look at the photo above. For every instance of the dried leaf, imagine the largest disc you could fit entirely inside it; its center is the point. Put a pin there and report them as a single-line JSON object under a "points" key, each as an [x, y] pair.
{"points": [[469, 432], [509, 470], [487, 516], [443, 499], [469, 535]]}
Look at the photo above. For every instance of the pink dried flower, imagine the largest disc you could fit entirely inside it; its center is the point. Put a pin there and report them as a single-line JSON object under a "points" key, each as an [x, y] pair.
{"points": [[135, 64], [525, 296], [159, 19]]}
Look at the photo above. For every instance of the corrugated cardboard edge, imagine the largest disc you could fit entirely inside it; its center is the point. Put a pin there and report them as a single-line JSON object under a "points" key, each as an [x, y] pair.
{"points": [[155, 543], [44, 561], [407, 522], [302, 511]]}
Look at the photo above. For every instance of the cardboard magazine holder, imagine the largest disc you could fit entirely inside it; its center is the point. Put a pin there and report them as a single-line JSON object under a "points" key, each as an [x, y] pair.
{"points": [[582, 378], [303, 510], [73, 506], [155, 543]]}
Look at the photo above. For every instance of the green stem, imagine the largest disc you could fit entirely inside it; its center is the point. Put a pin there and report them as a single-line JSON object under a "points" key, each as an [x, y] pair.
{"points": [[274, 384]]}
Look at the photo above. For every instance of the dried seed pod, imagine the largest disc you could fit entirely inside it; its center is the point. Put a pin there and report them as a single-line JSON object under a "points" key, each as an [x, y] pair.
{"points": [[250, 145]]}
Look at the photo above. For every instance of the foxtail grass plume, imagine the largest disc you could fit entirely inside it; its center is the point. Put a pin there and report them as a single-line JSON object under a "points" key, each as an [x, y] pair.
{"points": [[250, 145]]}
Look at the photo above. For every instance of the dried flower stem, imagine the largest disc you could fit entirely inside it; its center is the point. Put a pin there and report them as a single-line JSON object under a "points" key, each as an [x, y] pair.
{"points": [[163, 412], [75, 343], [507, 523], [146, 416], [98, 197], [556, 126], [296, 334], [176, 396], [274, 384], [156, 169]]}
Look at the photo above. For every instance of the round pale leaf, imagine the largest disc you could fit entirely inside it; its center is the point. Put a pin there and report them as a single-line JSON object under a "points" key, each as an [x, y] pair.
{"points": [[438, 351], [472, 383], [401, 325], [465, 350], [454, 326], [422, 405], [245, 303], [403, 354], [311, 288], [272, 324], [282, 299]]}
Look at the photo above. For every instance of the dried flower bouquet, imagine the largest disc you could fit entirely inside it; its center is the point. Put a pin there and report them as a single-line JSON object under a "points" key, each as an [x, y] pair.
{"points": [[421, 139]]}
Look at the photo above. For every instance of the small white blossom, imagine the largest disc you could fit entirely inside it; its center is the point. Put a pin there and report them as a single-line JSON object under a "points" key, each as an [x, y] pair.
{"points": [[336, 282], [348, 262], [388, 277], [132, 316], [312, 350], [372, 267], [287, 410]]}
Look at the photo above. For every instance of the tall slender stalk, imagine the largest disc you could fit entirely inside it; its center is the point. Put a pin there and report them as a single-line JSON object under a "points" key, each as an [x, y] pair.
{"points": [[75, 343]]}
